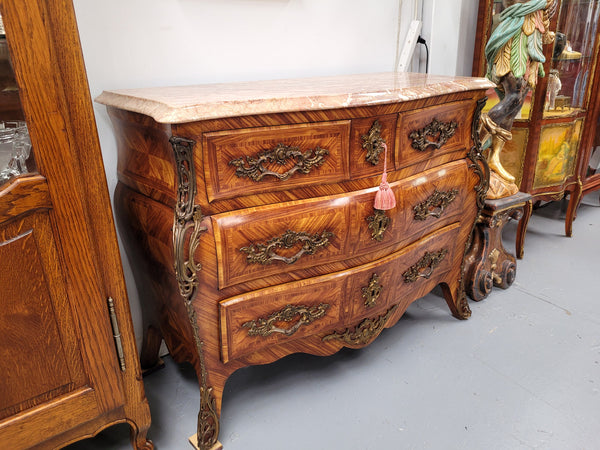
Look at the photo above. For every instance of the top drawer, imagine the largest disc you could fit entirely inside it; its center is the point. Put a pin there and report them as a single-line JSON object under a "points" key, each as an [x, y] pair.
{"points": [[428, 133], [258, 160]]}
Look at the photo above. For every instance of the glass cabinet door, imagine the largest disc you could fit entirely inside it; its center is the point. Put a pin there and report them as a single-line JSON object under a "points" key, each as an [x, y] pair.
{"points": [[593, 167], [15, 146], [573, 58]]}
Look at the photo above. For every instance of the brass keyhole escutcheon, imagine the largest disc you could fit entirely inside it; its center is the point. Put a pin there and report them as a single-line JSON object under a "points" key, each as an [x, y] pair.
{"points": [[378, 223], [372, 292]]}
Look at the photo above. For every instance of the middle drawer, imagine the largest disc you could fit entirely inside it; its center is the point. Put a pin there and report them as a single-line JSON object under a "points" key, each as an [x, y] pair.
{"points": [[259, 242]]}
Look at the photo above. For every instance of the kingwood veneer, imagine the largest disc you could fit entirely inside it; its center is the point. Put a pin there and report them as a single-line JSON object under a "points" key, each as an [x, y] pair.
{"points": [[250, 207]]}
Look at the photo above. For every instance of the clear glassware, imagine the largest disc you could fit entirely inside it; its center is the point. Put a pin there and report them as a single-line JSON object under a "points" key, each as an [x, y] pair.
{"points": [[15, 147], [573, 57]]}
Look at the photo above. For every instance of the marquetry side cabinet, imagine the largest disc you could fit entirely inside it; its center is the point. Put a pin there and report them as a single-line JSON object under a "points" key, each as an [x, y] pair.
{"points": [[553, 151], [68, 360], [250, 212]]}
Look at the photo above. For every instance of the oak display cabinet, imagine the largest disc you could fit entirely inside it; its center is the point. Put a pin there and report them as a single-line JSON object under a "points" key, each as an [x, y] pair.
{"points": [[68, 359], [551, 145]]}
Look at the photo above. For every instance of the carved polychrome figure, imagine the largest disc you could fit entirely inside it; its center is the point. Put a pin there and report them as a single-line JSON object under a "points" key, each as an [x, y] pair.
{"points": [[515, 58]]}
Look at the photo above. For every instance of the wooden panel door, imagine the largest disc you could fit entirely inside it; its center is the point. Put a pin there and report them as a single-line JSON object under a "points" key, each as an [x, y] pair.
{"points": [[41, 360]]}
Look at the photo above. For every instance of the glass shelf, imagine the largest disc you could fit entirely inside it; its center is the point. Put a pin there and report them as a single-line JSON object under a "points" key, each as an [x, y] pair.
{"points": [[572, 59], [16, 157]]}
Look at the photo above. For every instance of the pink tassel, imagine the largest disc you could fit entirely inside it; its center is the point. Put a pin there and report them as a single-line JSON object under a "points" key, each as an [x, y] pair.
{"points": [[384, 198]]}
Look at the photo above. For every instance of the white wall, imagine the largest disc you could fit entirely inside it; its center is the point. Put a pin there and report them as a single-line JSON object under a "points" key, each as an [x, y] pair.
{"points": [[449, 26], [139, 43]]}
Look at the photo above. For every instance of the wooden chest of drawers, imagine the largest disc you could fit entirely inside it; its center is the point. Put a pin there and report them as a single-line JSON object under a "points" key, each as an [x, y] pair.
{"points": [[250, 213]]}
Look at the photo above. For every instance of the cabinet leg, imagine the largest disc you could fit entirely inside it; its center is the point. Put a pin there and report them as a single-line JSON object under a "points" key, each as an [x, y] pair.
{"points": [[456, 300], [207, 433], [522, 228], [138, 438], [149, 357], [574, 201]]}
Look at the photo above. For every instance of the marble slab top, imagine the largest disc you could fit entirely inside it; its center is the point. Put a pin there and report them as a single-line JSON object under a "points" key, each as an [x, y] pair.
{"points": [[180, 104]]}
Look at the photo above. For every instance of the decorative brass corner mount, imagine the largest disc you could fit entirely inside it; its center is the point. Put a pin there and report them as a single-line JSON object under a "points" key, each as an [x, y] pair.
{"points": [[188, 217], [479, 163]]}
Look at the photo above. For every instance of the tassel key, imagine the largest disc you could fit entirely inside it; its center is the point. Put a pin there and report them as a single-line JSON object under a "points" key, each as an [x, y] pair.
{"points": [[384, 198]]}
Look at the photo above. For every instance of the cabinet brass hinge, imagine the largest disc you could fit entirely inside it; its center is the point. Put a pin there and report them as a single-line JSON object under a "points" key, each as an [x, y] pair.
{"points": [[116, 333]]}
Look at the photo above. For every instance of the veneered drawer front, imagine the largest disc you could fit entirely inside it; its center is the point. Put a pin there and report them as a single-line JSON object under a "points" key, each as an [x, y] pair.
{"points": [[257, 160], [263, 241], [410, 272], [425, 202], [366, 149], [435, 198], [431, 132], [283, 313]]}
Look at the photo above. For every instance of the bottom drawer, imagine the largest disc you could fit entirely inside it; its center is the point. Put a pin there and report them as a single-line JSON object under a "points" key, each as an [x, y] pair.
{"points": [[282, 313]]}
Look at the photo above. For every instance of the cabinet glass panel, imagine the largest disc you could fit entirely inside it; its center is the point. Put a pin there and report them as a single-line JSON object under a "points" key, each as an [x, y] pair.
{"points": [[594, 162], [513, 153], [15, 146], [572, 59], [557, 153]]}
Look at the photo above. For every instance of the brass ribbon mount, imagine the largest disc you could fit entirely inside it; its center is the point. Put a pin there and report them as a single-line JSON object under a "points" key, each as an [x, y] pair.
{"points": [[266, 327], [364, 332], [260, 253], [442, 131], [281, 155]]}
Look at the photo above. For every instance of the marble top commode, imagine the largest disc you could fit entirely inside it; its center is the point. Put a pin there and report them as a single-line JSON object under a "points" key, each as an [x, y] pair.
{"points": [[180, 104]]}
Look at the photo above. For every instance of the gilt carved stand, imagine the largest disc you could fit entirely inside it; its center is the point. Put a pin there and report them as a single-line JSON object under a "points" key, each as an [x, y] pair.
{"points": [[488, 263]]}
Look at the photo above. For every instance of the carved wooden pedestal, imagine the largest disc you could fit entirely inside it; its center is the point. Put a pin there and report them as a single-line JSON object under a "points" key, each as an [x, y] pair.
{"points": [[488, 263]]}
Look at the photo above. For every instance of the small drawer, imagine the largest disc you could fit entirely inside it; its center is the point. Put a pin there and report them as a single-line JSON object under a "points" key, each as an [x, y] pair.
{"points": [[435, 198], [425, 203], [416, 268], [258, 160], [264, 241], [432, 132], [366, 149]]}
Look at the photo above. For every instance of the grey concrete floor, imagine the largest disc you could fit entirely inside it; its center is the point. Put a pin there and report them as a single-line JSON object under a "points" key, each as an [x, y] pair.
{"points": [[522, 373]]}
